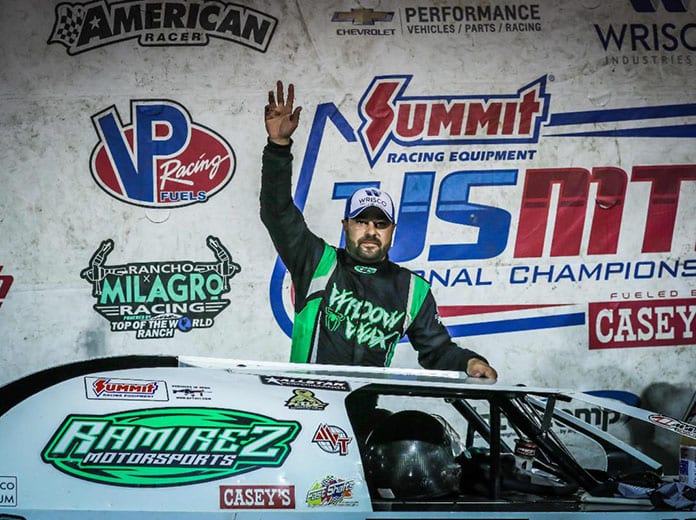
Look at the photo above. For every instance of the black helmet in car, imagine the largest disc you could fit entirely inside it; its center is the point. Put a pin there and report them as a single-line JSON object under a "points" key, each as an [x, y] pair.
{"points": [[410, 455]]}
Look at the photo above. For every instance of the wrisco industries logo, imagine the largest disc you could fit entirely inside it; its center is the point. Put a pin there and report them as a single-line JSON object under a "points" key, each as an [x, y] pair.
{"points": [[168, 446], [162, 159], [85, 26]]}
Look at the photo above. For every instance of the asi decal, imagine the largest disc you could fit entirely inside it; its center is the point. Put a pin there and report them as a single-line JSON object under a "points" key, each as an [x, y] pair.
{"points": [[157, 299], [105, 388], [331, 491], [305, 400], [85, 26], [168, 446], [162, 159], [332, 439], [5, 284]]}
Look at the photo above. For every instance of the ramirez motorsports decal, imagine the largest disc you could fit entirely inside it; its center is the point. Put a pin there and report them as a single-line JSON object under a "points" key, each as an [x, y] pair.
{"points": [[156, 299], [168, 446]]}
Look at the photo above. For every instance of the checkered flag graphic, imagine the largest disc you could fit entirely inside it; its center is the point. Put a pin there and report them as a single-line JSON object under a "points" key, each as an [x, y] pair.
{"points": [[69, 20]]}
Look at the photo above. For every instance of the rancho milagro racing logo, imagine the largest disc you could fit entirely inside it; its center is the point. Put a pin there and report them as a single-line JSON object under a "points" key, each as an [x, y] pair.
{"points": [[157, 299], [85, 26], [162, 159], [168, 446]]}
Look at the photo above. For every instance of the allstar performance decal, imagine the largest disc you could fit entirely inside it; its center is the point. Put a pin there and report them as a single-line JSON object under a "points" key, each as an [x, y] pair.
{"points": [[157, 299], [81, 27], [168, 446]]}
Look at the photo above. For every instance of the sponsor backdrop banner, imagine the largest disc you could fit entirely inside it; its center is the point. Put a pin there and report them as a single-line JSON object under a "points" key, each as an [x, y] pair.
{"points": [[541, 156]]}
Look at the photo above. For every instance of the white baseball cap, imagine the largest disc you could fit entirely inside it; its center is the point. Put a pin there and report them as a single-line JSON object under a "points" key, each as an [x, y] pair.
{"points": [[370, 198]]}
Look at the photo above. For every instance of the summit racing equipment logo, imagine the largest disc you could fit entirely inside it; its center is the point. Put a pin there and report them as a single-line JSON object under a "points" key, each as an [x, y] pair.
{"points": [[388, 115], [156, 299], [90, 25], [168, 446], [162, 159], [125, 389]]}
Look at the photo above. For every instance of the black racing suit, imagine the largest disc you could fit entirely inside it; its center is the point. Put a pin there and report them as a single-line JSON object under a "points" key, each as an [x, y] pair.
{"points": [[348, 313]]}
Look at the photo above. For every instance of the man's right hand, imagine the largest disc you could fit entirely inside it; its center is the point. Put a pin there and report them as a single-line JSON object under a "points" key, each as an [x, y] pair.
{"points": [[281, 118]]}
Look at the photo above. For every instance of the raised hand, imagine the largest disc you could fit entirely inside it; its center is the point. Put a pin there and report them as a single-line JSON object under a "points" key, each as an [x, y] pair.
{"points": [[281, 119]]}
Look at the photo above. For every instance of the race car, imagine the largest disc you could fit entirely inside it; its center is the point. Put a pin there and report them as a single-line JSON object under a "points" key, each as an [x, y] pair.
{"points": [[164, 437]]}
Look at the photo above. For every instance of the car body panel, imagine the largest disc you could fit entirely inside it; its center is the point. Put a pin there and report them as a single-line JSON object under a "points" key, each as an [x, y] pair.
{"points": [[231, 439]]}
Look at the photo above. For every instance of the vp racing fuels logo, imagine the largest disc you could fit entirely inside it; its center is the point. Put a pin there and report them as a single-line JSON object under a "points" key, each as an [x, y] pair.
{"points": [[168, 446], [387, 115], [157, 299], [85, 26], [162, 159]]}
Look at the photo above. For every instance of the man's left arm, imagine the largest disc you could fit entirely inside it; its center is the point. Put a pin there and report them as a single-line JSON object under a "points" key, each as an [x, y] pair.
{"points": [[435, 347]]}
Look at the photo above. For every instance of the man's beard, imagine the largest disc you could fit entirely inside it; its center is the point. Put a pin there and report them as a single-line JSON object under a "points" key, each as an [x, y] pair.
{"points": [[375, 254]]}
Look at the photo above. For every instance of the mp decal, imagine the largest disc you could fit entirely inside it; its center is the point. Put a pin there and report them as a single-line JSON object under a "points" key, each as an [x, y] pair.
{"points": [[85, 26], [162, 159], [168, 446], [159, 298]]}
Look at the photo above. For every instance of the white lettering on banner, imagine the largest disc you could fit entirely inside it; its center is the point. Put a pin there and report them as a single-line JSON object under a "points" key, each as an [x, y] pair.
{"points": [[175, 171], [642, 323]]}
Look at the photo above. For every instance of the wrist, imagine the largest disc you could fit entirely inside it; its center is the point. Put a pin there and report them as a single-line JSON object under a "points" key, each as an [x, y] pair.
{"points": [[280, 141]]}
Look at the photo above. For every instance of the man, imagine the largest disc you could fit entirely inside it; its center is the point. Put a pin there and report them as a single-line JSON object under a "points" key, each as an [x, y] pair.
{"points": [[352, 305]]}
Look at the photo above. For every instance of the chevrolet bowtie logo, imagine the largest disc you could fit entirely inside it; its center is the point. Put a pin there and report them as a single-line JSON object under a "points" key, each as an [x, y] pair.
{"points": [[362, 16]]}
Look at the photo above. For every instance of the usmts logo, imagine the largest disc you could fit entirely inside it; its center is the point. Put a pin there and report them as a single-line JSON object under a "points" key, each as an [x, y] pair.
{"points": [[387, 114], [85, 26], [168, 446], [162, 159], [157, 299]]}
